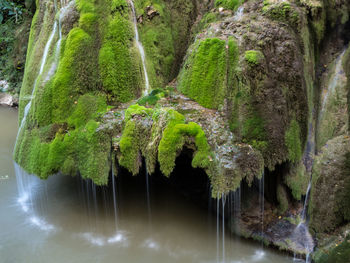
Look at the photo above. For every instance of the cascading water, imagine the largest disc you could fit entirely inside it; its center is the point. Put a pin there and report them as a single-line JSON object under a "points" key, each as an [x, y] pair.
{"points": [[262, 201], [238, 14], [114, 197], [334, 81], [43, 61], [217, 227], [223, 202], [63, 10], [140, 48], [148, 196], [56, 25]]}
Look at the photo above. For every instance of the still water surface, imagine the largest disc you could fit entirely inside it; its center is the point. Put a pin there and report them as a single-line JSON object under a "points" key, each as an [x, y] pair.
{"points": [[59, 220]]}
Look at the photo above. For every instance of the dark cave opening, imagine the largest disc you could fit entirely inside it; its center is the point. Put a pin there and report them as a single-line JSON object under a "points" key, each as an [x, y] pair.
{"points": [[188, 183]]}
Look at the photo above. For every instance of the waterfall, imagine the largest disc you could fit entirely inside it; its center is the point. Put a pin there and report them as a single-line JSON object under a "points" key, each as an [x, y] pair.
{"points": [[339, 71], [114, 198], [237, 209], [223, 201], [26, 184], [140, 48], [43, 61], [63, 10], [217, 228], [238, 14], [303, 214], [261, 202], [148, 196], [42, 65]]}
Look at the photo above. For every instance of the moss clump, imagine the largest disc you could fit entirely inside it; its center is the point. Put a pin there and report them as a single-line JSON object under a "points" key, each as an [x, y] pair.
{"points": [[173, 139], [129, 152], [164, 35], [204, 74], [253, 57], [88, 107], [253, 131], [293, 141], [163, 132], [119, 62], [297, 180], [153, 97], [282, 11], [229, 4]]}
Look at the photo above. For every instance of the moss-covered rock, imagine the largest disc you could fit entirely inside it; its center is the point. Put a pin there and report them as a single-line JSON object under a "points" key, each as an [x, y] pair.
{"points": [[329, 204]]}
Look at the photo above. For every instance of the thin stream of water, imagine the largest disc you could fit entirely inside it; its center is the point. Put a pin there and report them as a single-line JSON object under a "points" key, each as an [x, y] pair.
{"points": [[140, 48]]}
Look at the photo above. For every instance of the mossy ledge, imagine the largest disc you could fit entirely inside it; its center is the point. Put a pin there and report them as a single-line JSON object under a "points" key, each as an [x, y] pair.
{"points": [[159, 135]]}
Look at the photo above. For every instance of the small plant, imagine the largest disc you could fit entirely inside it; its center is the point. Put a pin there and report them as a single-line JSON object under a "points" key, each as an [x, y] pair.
{"points": [[229, 4], [253, 57]]}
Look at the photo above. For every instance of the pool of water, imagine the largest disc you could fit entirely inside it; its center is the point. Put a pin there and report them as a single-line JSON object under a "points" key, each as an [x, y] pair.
{"points": [[67, 219]]}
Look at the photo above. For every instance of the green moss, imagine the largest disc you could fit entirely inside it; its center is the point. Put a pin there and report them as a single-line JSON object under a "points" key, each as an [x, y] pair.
{"points": [[253, 57], [338, 254], [282, 11], [69, 79], [137, 110], [128, 147], [118, 61], [168, 134], [173, 139], [164, 37], [297, 181], [229, 4], [204, 75], [253, 130], [87, 108], [293, 141], [153, 97]]}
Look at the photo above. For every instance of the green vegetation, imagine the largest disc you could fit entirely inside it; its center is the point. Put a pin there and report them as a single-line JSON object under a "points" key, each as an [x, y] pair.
{"points": [[293, 141], [338, 254], [297, 181], [15, 19], [204, 74], [154, 96], [229, 4], [253, 130], [176, 133], [119, 61], [173, 139], [61, 129], [282, 11], [253, 57], [164, 35]]}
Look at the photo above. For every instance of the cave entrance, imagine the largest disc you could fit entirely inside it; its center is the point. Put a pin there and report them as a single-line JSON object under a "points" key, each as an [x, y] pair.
{"points": [[185, 185]]}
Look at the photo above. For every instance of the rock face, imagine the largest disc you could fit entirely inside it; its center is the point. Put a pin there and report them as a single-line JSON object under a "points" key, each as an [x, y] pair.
{"points": [[238, 86], [8, 100]]}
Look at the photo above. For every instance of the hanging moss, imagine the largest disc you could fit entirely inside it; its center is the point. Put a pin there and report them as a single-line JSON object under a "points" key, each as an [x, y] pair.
{"points": [[118, 60], [176, 133], [253, 57], [204, 74]]}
